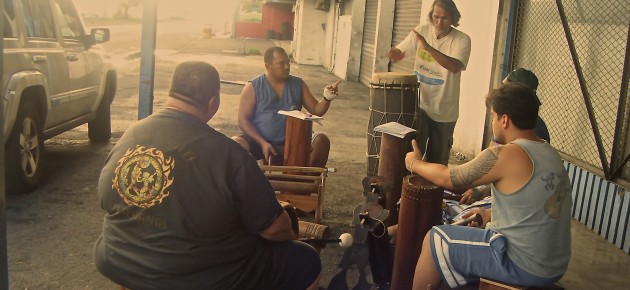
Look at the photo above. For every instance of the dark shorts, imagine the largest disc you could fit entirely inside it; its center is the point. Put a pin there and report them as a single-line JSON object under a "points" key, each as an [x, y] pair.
{"points": [[439, 134], [278, 265], [256, 150], [291, 265]]}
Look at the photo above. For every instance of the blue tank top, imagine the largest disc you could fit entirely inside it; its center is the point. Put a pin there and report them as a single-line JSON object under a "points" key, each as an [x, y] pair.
{"points": [[536, 219], [270, 124]]}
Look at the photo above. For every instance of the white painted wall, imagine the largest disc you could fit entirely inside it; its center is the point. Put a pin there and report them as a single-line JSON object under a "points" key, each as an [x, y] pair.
{"points": [[479, 20], [344, 32], [329, 46], [312, 35]]}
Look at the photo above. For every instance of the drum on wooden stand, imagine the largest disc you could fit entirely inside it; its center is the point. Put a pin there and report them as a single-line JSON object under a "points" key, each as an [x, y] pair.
{"points": [[391, 170], [297, 143], [393, 98], [420, 209]]}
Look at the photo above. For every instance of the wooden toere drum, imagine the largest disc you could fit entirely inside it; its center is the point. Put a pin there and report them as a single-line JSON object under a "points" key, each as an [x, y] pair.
{"points": [[297, 142], [391, 167], [420, 209], [393, 98]]}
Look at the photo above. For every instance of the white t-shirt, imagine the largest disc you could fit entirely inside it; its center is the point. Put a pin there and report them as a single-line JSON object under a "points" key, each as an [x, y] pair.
{"points": [[439, 88]]}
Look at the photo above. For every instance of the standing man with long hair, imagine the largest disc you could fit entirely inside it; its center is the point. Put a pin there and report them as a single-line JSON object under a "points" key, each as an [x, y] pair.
{"points": [[441, 53]]}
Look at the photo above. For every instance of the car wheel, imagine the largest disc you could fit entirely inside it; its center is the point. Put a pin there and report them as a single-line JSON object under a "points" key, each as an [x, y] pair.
{"points": [[24, 150], [100, 129]]}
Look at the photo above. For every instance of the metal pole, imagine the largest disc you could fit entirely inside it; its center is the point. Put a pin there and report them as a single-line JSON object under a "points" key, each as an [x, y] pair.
{"points": [[4, 258], [506, 65], [147, 58], [509, 39], [585, 93], [620, 167], [621, 113]]}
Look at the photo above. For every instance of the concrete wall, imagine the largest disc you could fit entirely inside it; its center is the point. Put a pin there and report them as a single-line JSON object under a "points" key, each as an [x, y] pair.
{"points": [[384, 28], [356, 40], [310, 35], [331, 41], [480, 24], [344, 34]]}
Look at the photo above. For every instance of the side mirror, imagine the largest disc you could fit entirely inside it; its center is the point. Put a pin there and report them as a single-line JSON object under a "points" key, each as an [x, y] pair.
{"points": [[99, 35]]}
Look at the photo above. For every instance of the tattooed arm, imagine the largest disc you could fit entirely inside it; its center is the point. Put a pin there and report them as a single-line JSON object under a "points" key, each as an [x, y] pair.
{"points": [[477, 171], [481, 170]]}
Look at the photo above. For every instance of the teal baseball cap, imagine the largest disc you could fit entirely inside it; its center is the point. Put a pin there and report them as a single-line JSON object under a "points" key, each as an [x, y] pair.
{"points": [[526, 77]]}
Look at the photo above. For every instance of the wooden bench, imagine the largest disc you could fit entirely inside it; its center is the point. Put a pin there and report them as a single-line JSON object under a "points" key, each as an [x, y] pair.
{"points": [[487, 284], [303, 187]]}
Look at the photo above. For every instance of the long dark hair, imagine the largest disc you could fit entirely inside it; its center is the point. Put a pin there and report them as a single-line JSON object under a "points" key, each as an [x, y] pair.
{"points": [[449, 6]]}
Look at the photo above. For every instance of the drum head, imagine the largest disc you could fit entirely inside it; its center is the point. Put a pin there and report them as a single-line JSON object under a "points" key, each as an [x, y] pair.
{"points": [[393, 78]]}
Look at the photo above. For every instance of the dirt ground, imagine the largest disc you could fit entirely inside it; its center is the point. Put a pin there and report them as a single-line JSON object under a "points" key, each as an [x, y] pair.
{"points": [[51, 231]]}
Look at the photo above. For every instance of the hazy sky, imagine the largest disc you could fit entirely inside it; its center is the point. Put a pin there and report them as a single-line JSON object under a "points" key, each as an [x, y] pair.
{"points": [[198, 11]]}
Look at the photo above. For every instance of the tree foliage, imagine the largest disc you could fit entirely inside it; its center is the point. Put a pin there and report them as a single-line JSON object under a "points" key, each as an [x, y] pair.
{"points": [[125, 6]]}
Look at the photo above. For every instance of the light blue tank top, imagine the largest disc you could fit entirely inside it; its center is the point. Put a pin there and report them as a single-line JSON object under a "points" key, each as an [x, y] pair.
{"points": [[536, 219], [270, 124]]}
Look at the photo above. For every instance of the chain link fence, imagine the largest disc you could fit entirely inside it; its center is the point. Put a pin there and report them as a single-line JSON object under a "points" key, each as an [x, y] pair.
{"points": [[599, 30]]}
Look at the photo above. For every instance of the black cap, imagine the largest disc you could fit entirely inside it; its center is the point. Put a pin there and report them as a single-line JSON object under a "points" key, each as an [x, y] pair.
{"points": [[195, 82], [526, 77]]}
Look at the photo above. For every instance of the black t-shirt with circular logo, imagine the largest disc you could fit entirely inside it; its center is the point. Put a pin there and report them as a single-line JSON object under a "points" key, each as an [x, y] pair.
{"points": [[184, 208]]}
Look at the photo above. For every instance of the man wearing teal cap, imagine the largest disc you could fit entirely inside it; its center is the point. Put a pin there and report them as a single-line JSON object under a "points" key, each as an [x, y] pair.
{"points": [[528, 78]]}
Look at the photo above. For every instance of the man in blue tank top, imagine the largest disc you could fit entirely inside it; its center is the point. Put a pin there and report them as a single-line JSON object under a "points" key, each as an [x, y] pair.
{"points": [[527, 235], [262, 97]]}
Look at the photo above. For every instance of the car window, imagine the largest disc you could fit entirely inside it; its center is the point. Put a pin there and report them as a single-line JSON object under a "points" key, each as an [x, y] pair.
{"points": [[68, 19], [9, 19], [38, 19]]}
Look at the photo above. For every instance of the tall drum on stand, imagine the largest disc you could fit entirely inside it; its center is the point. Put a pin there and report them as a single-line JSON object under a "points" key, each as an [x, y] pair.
{"points": [[420, 209], [393, 98]]}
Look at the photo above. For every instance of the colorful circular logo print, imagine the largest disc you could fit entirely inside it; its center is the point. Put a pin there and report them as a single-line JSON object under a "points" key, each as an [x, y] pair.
{"points": [[143, 176]]}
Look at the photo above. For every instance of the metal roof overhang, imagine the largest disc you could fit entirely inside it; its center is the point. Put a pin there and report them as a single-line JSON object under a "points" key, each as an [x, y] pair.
{"points": [[279, 1]]}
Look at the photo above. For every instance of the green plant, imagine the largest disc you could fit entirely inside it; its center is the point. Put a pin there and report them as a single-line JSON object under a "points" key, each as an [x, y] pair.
{"points": [[271, 34], [253, 51], [286, 30]]}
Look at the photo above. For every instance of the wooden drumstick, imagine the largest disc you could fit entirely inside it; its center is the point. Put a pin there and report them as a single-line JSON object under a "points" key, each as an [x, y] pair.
{"points": [[345, 240]]}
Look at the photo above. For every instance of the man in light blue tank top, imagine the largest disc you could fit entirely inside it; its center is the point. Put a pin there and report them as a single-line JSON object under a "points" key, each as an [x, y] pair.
{"points": [[262, 97], [525, 238], [528, 78]]}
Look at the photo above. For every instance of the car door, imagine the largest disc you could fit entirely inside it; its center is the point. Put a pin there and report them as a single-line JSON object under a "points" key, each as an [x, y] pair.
{"points": [[84, 63], [49, 57]]}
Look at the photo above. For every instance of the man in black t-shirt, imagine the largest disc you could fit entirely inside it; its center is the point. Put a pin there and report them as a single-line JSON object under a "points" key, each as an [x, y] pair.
{"points": [[188, 208]]}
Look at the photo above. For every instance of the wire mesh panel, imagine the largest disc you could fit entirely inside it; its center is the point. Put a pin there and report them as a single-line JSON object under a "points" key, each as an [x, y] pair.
{"points": [[600, 33]]}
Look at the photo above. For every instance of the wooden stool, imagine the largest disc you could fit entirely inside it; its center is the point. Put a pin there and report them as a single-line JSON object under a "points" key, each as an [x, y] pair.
{"points": [[487, 284]]}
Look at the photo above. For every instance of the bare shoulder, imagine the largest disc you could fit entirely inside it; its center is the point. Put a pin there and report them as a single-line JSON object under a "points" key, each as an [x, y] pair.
{"points": [[305, 86], [248, 90], [509, 152], [514, 160]]}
